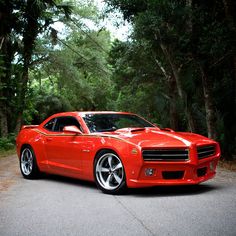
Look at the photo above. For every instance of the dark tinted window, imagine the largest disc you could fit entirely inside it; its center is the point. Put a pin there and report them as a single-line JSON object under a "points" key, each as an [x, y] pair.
{"points": [[112, 122], [63, 121], [50, 124]]}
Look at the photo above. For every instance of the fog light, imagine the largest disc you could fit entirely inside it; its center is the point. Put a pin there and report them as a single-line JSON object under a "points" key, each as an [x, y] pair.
{"points": [[149, 171]]}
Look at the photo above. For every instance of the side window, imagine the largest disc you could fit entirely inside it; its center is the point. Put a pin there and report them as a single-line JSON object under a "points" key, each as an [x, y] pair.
{"points": [[63, 121], [50, 125]]}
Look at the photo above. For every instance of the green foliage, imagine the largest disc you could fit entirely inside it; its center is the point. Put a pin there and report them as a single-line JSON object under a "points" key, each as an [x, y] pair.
{"points": [[8, 143], [75, 74], [175, 47]]}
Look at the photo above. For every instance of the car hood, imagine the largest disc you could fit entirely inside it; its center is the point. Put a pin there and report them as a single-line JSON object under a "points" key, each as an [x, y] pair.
{"points": [[154, 137]]}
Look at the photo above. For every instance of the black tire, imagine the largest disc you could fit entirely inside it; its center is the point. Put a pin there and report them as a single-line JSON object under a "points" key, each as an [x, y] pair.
{"points": [[109, 173], [28, 164]]}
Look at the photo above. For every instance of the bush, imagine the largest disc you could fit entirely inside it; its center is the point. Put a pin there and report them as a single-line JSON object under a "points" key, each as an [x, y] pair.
{"points": [[8, 142]]}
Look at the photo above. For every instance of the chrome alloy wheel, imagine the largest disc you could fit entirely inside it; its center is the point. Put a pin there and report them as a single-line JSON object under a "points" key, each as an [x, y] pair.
{"points": [[26, 161], [109, 171]]}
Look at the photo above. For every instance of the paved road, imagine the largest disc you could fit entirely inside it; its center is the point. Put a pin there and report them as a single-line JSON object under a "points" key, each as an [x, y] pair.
{"points": [[61, 206]]}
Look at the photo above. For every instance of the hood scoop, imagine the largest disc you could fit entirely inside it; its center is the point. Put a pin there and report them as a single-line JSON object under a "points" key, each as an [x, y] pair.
{"points": [[130, 131], [133, 130]]}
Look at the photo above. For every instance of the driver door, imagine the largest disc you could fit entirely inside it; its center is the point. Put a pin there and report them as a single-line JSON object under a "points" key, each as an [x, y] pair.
{"points": [[64, 150]]}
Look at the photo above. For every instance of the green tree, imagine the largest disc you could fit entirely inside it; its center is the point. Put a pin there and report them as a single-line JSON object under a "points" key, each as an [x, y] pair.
{"points": [[21, 23], [193, 53], [75, 74]]}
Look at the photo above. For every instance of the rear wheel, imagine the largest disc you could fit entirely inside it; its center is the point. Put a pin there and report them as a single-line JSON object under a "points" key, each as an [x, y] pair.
{"points": [[109, 173], [28, 164]]}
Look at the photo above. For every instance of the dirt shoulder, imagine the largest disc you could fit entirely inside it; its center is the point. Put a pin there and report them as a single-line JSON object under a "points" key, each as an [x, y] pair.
{"points": [[229, 165], [7, 153], [9, 171]]}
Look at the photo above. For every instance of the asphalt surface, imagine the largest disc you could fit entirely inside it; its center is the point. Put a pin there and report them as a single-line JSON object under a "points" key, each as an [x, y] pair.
{"points": [[55, 205]]}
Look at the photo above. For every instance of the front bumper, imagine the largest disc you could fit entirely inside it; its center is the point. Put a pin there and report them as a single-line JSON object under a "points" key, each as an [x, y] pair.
{"points": [[175, 173]]}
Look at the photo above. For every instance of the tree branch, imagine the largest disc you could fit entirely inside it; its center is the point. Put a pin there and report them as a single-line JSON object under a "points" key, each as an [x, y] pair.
{"points": [[39, 60]]}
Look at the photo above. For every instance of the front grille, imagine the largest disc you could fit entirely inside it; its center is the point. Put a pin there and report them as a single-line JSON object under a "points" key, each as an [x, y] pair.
{"points": [[165, 155], [205, 151]]}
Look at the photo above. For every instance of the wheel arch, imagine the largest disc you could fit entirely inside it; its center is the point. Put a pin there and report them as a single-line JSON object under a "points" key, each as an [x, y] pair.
{"points": [[104, 150], [24, 145]]}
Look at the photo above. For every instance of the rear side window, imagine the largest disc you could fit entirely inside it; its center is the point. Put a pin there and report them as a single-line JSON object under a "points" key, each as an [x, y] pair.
{"points": [[57, 124], [63, 121], [50, 125]]}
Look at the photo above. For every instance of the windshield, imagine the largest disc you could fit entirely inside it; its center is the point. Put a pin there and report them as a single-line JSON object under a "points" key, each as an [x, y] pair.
{"points": [[112, 122]]}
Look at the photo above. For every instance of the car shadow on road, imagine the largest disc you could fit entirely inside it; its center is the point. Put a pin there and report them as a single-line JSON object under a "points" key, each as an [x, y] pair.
{"points": [[160, 191], [168, 191]]}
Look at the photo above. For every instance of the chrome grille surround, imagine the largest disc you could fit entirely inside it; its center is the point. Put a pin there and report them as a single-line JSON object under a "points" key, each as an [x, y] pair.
{"points": [[165, 154], [205, 151]]}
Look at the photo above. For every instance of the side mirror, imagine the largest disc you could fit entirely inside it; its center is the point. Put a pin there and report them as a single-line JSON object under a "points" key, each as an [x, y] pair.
{"points": [[72, 129]]}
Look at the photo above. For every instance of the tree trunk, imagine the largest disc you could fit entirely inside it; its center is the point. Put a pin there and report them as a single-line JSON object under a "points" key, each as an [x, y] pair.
{"points": [[174, 124], [234, 81], [29, 36], [172, 97], [179, 88], [189, 22], [3, 109], [209, 106], [5, 81], [191, 121], [6, 56], [3, 120], [22, 98], [18, 122], [174, 70]]}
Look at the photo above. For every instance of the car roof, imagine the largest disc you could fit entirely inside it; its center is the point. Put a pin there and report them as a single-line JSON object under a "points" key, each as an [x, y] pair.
{"points": [[102, 112], [82, 113]]}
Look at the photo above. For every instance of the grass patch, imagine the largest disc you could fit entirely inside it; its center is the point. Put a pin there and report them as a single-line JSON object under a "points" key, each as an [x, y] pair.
{"points": [[5, 153], [7, 145]]}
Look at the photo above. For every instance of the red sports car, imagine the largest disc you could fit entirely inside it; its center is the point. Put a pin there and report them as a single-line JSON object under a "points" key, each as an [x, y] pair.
{"points": [[116, 150]]}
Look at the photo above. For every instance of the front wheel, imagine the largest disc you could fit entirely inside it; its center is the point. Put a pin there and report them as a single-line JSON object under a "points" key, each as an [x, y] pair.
{"points": [[109, 173], [28, 164]]}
